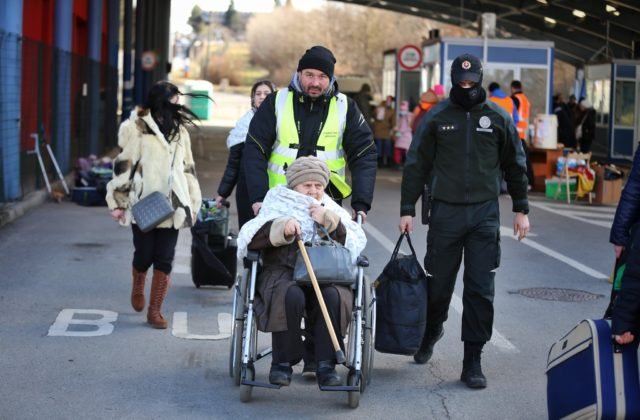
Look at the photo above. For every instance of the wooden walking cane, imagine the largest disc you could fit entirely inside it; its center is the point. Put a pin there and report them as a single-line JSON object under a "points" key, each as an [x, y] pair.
{"points": [[323, 307]]}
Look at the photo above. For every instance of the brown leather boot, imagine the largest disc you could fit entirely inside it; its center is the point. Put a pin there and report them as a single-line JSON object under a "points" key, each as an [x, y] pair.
{"points": [[159, 287], [137, 291]]}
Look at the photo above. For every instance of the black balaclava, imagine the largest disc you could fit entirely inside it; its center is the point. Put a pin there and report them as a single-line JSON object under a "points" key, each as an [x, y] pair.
{"points": [[467, 67]]}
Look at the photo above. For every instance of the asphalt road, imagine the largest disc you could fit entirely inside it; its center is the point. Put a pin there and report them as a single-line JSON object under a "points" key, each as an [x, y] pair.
{"points": [[64, 260]]}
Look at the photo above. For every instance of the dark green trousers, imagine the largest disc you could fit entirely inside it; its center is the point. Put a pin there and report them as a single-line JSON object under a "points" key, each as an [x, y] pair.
{"points": [[472, 231]]}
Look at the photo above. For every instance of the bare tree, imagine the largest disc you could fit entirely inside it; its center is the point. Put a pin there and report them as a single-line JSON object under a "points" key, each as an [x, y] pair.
{"points": [[357, 35]]}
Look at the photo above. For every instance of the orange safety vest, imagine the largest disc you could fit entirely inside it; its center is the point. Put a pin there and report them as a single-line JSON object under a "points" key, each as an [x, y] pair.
{"points": [[506, 103], [523, 113]]}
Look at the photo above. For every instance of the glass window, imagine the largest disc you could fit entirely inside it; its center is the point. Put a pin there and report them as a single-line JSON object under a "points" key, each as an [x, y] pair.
{"points": [[389, 75], [409, 88], [534, 85], [625, 104], [501, 76], [598, 95]]}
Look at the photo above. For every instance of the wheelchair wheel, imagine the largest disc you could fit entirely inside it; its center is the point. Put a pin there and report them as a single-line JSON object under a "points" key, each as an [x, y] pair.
{"points": [[237, 329], [245, 393], [368, 339], [245, 390], [354, 396]]}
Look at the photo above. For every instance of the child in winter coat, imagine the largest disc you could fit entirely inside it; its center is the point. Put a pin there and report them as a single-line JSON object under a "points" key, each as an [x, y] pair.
{"points": [[402, 134]]}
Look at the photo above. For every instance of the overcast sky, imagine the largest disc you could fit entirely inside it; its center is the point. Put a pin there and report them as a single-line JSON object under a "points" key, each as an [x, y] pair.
{"points": [[181, 9]]}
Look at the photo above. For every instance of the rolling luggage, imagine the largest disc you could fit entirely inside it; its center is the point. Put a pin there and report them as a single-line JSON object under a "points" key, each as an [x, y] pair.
{"points": [[213, 248], [588, 376]]}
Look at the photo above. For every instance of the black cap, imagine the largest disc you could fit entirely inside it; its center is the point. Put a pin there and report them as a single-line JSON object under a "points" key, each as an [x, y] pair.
{"points": [[466, 67], [319, 58]]}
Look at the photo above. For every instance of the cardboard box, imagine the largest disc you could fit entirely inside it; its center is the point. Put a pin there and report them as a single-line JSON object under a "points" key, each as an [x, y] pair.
{"points": [[607, 192], [551, 186]]}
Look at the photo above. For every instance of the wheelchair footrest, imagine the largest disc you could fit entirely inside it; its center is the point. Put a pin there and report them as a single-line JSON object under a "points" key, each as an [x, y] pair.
{"points": [[260, 384], [339, 388]]}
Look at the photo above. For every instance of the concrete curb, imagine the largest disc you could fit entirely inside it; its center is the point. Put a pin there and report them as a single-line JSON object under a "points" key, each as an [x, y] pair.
{"points": [[12, 211]]}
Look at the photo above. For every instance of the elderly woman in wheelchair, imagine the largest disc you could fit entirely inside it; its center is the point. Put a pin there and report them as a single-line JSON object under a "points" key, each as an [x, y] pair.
{"points": [[288, 213]]}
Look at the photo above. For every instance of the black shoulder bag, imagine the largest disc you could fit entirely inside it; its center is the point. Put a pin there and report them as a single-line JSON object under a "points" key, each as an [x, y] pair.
{"points": [[331, 262]]}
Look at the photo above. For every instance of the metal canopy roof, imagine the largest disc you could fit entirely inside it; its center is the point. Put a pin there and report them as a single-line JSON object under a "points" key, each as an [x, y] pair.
{"points": [[606, 31]]}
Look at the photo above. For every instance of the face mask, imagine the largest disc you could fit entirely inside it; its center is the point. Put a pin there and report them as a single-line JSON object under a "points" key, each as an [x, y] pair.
{"points": [[467, 98]]}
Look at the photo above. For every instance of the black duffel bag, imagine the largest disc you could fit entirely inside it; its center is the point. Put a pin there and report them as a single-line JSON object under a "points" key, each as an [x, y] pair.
{"points": [[401, 303]]}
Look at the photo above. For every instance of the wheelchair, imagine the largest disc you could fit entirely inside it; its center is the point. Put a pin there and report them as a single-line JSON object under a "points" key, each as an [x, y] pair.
{"points": [[359, 345]]}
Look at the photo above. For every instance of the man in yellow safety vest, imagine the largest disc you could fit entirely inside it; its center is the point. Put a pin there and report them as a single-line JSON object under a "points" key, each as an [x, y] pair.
{"points": [[311, 117]]}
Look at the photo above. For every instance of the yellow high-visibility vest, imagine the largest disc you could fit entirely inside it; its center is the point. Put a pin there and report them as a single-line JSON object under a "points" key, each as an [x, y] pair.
{"points": [[329, 146]]}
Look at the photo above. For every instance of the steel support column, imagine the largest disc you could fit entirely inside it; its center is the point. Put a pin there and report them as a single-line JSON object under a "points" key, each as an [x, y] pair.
{"points": [[10, 94]]}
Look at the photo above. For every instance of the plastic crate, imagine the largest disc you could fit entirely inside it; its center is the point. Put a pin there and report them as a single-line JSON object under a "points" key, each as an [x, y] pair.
{"points": [[89, 196], [552, 185], [214, 219]]}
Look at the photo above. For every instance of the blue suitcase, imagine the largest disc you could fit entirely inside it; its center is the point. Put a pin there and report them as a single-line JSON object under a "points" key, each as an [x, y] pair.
{"points": [[590, 378]]}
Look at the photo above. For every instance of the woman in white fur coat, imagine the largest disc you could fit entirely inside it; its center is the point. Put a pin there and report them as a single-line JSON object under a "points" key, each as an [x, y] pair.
{"points": [[156, 156]]}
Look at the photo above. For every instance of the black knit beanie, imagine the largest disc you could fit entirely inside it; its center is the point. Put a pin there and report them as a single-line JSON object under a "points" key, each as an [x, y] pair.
{"points": [[319, 58]]}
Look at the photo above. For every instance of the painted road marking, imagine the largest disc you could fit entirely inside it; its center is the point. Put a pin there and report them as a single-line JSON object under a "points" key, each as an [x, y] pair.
{"points": [[579, 213], [103, 325], [497, 339], [553, 254], [180, 328]]}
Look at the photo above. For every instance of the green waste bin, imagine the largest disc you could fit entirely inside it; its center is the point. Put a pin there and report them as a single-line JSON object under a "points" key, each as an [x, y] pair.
{"points": [[201, 106]]}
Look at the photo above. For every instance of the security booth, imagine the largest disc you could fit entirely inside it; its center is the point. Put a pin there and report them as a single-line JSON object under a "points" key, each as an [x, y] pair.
{"points": [[504, 60], [401, 74], [613, 89]]}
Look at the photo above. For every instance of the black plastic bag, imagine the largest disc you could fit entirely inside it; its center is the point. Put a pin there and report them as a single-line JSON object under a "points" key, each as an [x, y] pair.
{"points": [[401, 303]]}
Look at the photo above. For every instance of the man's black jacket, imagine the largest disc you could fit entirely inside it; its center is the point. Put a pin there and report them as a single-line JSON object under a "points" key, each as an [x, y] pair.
{"points": [[357, 142]]}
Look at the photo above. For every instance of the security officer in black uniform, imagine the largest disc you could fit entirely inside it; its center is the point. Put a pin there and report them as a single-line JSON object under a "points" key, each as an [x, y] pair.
{"points": [[462, 149]]}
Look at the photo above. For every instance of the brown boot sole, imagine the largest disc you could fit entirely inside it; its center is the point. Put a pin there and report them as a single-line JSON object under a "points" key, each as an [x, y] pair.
{"points": [[158, 325]]}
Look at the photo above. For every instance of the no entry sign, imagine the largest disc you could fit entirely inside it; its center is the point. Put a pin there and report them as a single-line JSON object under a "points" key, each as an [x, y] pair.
{"points": [[410, 57]]}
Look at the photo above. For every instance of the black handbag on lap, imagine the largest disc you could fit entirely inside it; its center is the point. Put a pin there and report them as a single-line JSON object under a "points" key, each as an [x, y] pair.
{"points": [[401, 296], [331, 262]]}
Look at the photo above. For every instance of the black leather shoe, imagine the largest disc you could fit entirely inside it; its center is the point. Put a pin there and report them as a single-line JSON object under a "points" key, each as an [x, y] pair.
{"points": [[327, 375], [426, 349], [280, 374]]}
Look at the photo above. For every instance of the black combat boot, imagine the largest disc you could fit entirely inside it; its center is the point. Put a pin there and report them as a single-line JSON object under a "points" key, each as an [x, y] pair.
{"points": [[471, 370], [428, 342]]}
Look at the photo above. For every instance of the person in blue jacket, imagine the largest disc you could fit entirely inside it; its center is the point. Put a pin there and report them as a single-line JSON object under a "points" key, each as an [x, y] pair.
{"points": [[625, 235]]}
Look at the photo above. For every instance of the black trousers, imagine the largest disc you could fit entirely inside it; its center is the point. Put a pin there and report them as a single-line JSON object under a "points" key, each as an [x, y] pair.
{"points": [[245, 212], [472, 231], [156, 247], [287, 346]]}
